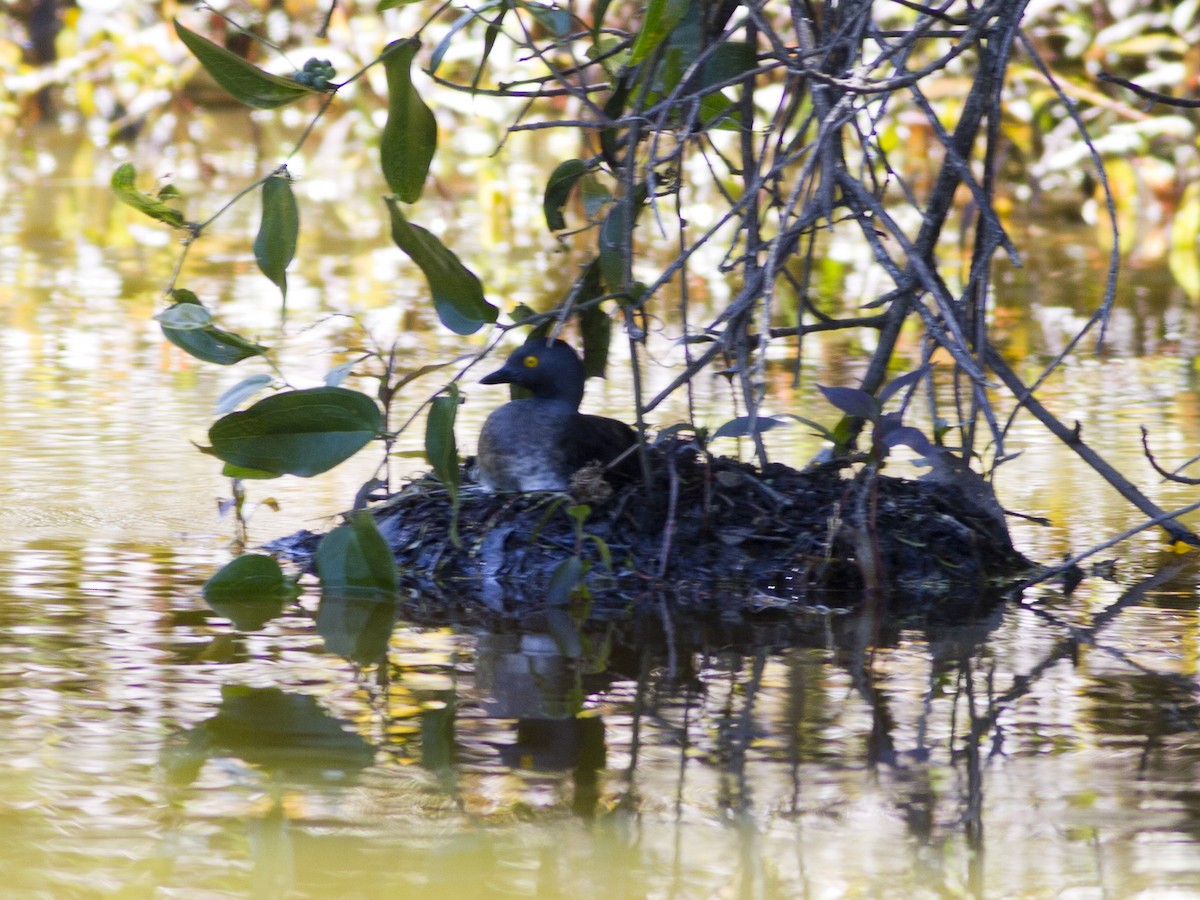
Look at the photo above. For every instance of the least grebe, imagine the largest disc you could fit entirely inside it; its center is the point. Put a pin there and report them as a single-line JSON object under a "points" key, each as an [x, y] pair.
{"points": [[538, 443]]}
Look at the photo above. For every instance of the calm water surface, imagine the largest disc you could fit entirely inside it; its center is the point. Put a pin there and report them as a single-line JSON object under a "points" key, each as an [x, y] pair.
{"points": [[148, 748]]}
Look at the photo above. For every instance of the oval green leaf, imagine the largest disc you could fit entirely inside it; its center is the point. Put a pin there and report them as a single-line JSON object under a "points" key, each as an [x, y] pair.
{"points": [[744, 425], [185, 315], [249, 591], [595, 327], [244, 80], [558, 189], [852, 401], [355, 558], [204, 341], [441, 450], [275, 244], [616, 246], [457, 294], [301, 433], [409, 137], [661, 18], [123, 186]]}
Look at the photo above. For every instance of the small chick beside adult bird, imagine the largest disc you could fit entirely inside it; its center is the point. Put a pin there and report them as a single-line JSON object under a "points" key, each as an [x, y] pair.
{"points": [[538, 443]]}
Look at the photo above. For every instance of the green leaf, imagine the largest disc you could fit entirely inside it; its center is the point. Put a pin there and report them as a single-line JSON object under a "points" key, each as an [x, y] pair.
{"points": [[598, 14], [441, 450], [661, 18], [594, 325], [558, 189], [249, 591], [393, 4], [409, 137], [457, 294], [301, 433], [275, 244], [355, 559], [596, 196], [203, 341], [741, 426], [244, 80], [616, 245], [713, 110], [185, 315], [728, 61], [489, 41], [435, 58], [556, 21], [123, 186], [852, 401], [243, 473]]}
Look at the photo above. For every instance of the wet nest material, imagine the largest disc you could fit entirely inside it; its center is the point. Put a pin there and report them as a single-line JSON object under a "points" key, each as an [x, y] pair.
{"points": [[715, 536]]}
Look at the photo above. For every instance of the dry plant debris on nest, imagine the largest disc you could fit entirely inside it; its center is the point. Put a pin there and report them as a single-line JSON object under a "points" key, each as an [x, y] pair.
{"points": [[735, 541]]}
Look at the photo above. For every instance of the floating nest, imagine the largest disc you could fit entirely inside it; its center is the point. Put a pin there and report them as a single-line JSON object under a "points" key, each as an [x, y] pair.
{"points": [[711, 537]]}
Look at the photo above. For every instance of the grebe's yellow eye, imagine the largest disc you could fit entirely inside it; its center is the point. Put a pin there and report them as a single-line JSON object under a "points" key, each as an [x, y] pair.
{"points": [[531, 362]]}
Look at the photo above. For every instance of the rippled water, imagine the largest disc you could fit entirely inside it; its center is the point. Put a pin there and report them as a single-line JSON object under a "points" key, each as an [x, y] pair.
{"points": [[147, 748]]}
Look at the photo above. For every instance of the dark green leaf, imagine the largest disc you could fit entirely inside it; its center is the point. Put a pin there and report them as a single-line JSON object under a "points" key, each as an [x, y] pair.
{"points": [[354, 559], [596, 196], [556, 21], [852, 401], [728, 61], [715, 112], [249, 591], [185, 315], [598, 19], [558, 188], [817, 427], [205, 342], [614, 109], [213, 345], [741, 426], [435, 58], [616, 245], [393, 4], [441, 450], [594, 325], [901, 383], [661, 18], [489, 41], [409, 138], [457, 294], [892, 434], [299, 432], [275, 245], [123, 186], [244, 80]]}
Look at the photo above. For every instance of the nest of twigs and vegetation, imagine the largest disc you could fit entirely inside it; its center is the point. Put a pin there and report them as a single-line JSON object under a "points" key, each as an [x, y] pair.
{"points": [[719, 537]]}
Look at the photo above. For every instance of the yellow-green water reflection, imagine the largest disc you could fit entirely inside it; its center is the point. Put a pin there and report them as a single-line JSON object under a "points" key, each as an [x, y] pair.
{"points": [[147, 749]]}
